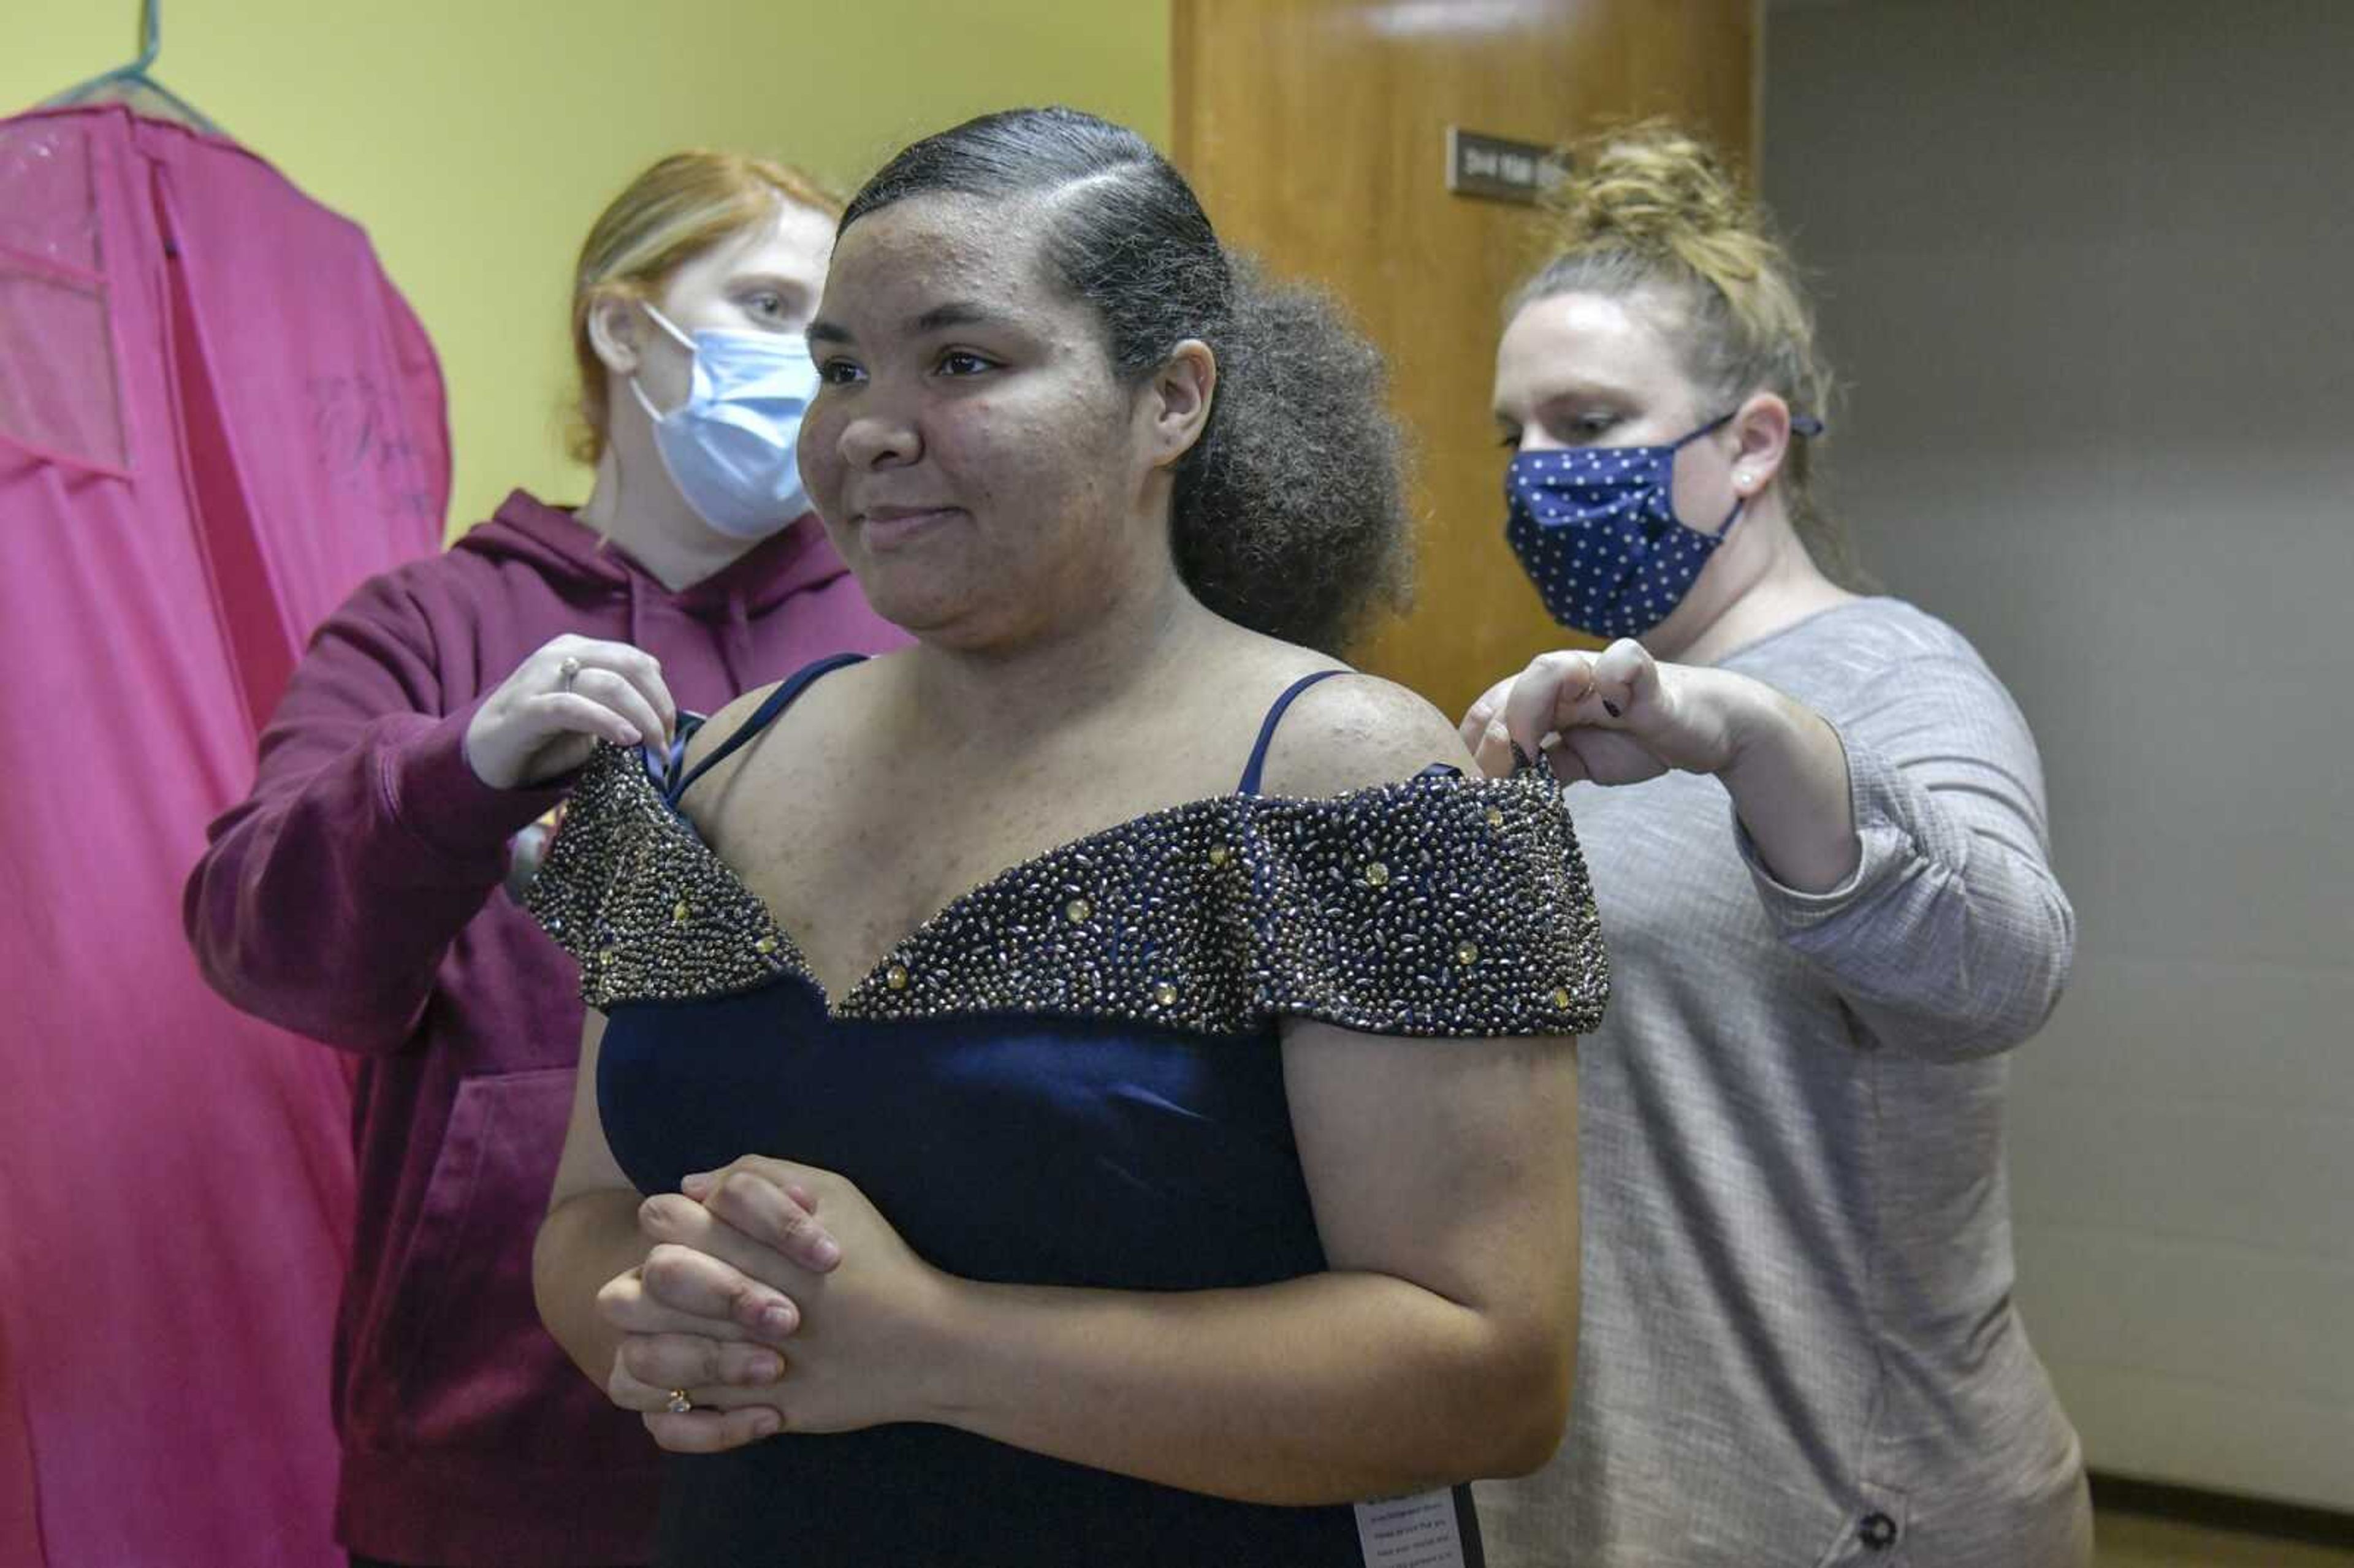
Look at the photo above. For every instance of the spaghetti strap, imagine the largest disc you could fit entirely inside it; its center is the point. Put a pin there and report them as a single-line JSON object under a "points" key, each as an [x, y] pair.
{"points": [[1249, 786], [792, 688]]}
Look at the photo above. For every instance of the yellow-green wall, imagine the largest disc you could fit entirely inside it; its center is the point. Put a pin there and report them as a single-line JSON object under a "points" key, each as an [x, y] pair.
{"points": [[476, 139]]}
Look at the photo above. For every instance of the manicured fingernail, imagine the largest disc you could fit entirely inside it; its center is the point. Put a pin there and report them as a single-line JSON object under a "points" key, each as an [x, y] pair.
{"points": [[777, 1319], [766, 1425], [696, 1185], [826, 1251], [765, 1369], [1611, 708], [629, 736]]}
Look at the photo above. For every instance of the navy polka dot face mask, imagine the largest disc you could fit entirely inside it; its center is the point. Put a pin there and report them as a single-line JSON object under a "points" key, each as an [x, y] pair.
{"points": [[1596, 529]]}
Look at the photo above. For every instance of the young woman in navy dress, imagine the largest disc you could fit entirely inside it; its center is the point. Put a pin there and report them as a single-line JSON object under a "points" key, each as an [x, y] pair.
{"points": [[1097, 1085]]}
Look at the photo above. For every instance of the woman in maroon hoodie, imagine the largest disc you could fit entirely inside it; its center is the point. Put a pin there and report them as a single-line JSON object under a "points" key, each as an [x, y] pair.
{"points": [[357, 895]]}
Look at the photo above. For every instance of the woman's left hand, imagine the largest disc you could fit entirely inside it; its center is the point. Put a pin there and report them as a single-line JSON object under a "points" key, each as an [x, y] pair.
{"points": [[870, 1326], [1622, 716]]}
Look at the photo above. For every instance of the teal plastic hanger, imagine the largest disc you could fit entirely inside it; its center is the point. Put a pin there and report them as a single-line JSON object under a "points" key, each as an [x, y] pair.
{"points": [[132, 85]]}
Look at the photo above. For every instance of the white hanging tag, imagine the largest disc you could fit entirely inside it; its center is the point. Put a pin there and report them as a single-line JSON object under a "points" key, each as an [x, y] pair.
{"points": [[1418, 1532]]}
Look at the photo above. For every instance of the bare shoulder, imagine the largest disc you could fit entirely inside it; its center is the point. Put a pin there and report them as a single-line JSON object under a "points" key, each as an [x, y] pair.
{"points": [[824, 703], [1354, 731], [727, 722]]}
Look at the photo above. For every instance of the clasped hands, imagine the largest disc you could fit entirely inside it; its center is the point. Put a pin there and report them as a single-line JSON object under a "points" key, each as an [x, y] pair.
{"points": [[774, 1297]]}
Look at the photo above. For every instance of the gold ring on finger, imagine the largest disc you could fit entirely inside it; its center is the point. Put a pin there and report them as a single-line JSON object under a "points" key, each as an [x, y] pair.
{"points": [[568, 671], [678, 1403]]}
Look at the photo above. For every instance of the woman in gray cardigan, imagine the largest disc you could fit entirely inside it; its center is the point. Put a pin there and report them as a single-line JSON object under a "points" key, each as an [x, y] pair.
{"points": [[1817, 833]]}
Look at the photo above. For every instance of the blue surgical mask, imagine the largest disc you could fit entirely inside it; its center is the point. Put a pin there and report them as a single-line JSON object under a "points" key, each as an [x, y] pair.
{"points": [[729, 448], [1596, 529]]}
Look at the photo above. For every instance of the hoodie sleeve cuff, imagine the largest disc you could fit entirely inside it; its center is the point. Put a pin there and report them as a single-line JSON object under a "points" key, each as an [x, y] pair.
{"points": [[433, 792]]}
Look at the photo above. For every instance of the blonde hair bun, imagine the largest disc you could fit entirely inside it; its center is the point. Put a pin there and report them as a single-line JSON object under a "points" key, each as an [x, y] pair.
{"points": [[1652, 189]]}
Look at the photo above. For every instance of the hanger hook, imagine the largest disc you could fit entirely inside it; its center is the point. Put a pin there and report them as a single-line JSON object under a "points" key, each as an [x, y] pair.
{"points": [[151, 32]]}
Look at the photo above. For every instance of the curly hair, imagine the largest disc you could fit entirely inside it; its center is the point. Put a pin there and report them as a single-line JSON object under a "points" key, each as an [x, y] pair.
{"points": [[1288, 514], [1647, 207]]}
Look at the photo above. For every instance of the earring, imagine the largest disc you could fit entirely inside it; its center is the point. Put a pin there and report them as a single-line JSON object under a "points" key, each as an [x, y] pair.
{"points": [[1740, 482]]}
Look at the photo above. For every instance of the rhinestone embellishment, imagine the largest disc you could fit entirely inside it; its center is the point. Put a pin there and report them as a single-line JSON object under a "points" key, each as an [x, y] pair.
{"points": [[1474, 932]]}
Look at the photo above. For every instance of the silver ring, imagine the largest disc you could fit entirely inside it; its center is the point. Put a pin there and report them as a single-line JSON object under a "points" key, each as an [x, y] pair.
{"points": [[568, 671], [679, 1404]]}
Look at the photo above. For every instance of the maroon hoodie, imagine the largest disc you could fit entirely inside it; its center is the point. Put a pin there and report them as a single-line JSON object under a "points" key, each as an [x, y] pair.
{"points": [[356, 897]]}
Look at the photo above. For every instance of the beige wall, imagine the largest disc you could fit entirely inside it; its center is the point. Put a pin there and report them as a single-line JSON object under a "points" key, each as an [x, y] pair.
{"points": [[2085, 268], [476, 139]]}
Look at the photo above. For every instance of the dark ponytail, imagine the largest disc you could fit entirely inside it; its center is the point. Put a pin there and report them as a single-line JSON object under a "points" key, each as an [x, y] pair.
{"points": [[1290, 512]]}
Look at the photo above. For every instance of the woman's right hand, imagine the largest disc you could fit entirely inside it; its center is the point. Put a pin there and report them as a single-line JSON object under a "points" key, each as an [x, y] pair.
{"points": [[1618, 717], [545, 720], [703, 1316]]}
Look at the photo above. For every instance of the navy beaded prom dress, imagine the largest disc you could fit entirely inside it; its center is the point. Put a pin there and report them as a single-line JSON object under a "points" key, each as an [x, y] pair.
{"points": [[1069, 1076]]}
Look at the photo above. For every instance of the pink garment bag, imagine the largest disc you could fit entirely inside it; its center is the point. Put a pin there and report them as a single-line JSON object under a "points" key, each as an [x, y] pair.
{"points": [[217, 417]]}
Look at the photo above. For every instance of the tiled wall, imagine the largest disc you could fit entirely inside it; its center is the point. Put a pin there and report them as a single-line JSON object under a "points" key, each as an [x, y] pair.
{"points": [[2087, 269]]}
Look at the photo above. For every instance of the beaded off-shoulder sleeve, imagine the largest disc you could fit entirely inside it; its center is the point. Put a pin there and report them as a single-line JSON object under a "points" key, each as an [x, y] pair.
{"points": [[1440, 905]]}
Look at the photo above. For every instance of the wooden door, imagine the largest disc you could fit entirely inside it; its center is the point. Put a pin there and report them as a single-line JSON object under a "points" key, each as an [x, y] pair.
{"points": [[1315, 132]]}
